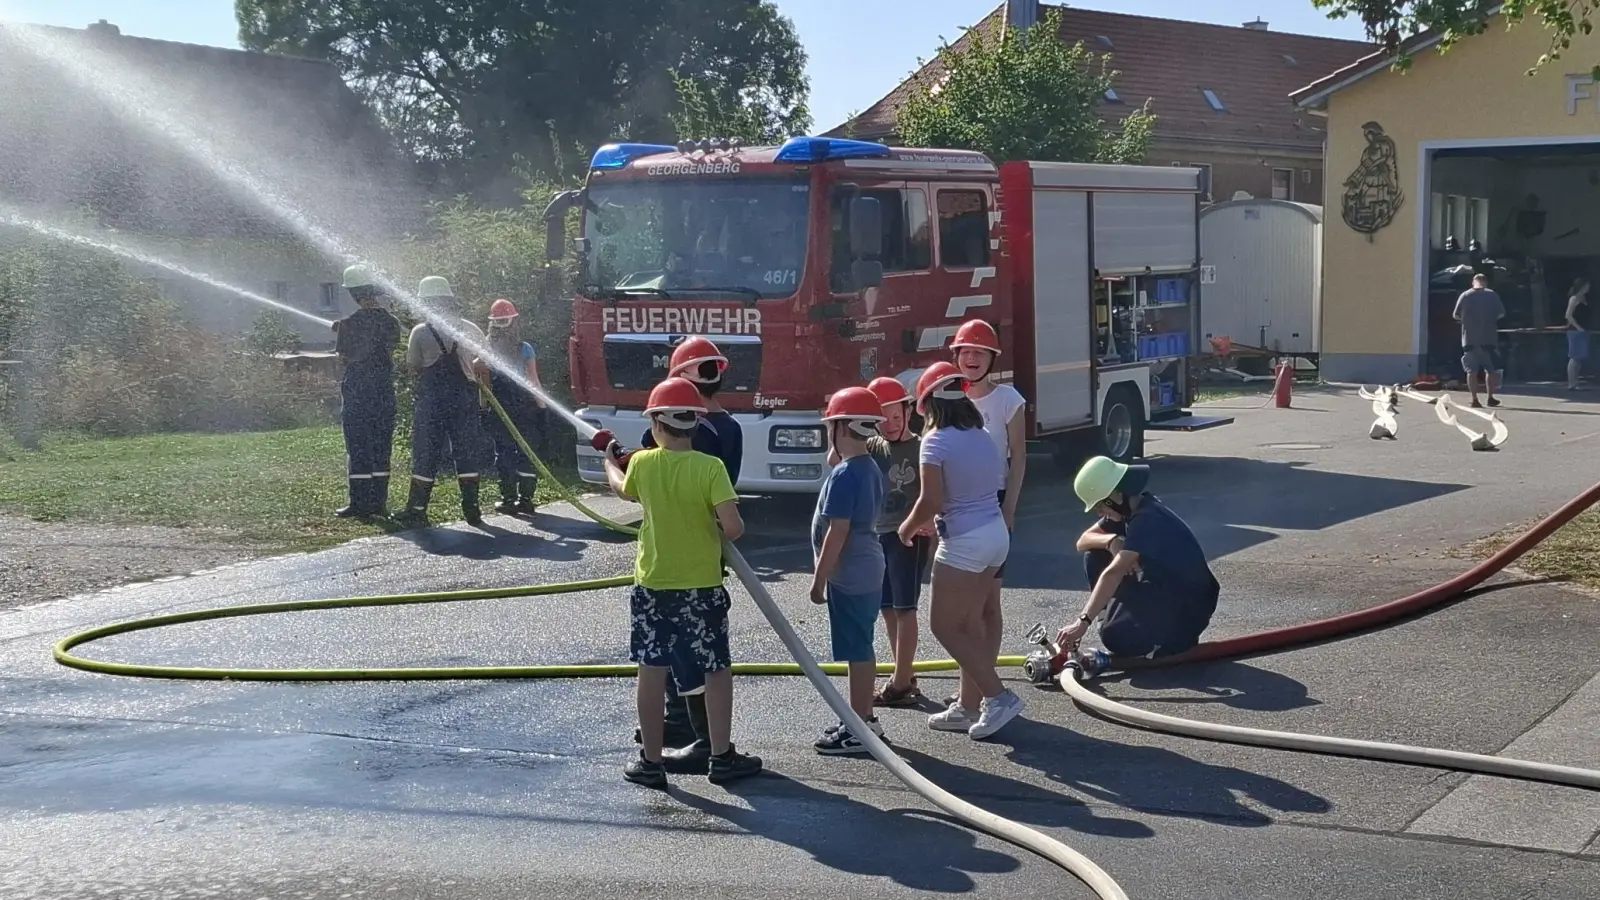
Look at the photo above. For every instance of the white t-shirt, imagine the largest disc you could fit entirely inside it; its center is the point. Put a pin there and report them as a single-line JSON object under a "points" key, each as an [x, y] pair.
{"points": [[998, 408]]}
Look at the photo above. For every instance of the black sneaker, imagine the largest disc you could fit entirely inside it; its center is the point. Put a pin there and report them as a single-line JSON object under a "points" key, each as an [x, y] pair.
{"points": [[837, 740], [732, 766], [642, 771], [694, 759]]}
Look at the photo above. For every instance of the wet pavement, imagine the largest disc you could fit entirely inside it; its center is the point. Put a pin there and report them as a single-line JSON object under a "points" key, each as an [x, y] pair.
{"points": [[128, 788]]}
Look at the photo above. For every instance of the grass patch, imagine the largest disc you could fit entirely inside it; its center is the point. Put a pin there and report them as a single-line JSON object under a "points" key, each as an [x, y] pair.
{"points": [[277, 489], [1572, 553]]}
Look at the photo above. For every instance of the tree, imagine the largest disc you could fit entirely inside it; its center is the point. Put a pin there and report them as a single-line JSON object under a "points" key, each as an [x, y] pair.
{"points": [[1390, 22], [1024, 95], [541, 83]]}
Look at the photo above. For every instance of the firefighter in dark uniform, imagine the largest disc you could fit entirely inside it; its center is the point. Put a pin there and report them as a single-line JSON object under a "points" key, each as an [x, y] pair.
{"points": [[444, 415], [518, 481], [365, 341]]}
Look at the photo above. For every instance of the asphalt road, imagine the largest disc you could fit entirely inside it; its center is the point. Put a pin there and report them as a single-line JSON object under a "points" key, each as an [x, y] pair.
{"points": [[134, 788]]}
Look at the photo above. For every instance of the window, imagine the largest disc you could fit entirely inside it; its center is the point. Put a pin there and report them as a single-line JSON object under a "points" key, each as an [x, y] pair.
{"points": [[330, 297], [963, 229], [907, 246], [1111, 96], [1213, 100], [1283, 184]]}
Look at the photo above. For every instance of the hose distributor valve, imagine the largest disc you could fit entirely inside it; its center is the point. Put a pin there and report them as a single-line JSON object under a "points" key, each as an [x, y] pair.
{"points": [[1041, 665], [607, 443]]}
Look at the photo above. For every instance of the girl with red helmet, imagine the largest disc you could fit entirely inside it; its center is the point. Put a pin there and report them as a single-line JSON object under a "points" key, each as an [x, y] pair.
{"points": [[962, 473], [977, 348], [518, 480], [678, 602], [849, 557], [897, 450]]}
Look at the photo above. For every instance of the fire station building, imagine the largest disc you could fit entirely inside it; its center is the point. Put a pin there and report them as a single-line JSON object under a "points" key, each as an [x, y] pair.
{"points": [[1463, 164]]}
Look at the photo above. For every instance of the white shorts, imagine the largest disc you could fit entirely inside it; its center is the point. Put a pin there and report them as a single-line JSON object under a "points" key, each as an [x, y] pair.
{"points": [[984, 547]]}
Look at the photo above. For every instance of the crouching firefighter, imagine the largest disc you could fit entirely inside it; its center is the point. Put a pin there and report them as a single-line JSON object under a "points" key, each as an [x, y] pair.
{"points": [[518, 481], [1148, 573], [716, 433], [365, 343], [445, 411]]}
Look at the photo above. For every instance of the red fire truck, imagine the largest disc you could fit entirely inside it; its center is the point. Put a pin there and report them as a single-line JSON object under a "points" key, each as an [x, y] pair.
{"points": [[825, 262]]}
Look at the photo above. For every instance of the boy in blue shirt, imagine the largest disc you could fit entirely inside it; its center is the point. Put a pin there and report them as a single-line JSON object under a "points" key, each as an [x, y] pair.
{"points": [[849, 556]]}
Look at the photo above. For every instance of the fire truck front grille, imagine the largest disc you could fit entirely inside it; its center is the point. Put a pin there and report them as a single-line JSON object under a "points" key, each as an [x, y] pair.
{"points": [[634, 364]]}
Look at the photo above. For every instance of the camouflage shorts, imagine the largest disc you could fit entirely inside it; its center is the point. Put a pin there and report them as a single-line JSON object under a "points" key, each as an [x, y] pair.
{"points": [[684, 631]]}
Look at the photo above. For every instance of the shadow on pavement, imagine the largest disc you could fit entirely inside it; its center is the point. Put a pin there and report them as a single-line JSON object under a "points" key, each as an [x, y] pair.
{"points": [[852, 837], [1229, 683], [490, 541], [1151, 779]]}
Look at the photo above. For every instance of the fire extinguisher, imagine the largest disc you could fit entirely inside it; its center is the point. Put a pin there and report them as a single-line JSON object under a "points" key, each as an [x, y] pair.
{"points": [[1283, 385]]}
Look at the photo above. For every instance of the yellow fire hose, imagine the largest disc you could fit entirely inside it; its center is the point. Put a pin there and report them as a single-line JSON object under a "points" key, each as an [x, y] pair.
{"points": [[805, 664]]}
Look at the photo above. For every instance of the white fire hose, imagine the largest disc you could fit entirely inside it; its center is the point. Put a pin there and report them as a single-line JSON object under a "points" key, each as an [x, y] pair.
{"points": [[1051, 849]]}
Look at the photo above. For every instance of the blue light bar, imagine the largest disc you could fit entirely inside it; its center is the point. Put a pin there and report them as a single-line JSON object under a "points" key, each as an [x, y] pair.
{"points": [[818, 149], [616, 156]]}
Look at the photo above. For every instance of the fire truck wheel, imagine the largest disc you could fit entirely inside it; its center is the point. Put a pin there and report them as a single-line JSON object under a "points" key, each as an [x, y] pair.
{"points": [[1121, 431]]}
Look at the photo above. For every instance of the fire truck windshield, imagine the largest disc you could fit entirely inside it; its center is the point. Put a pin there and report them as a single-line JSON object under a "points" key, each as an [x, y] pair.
{"points": [[691, 239]]}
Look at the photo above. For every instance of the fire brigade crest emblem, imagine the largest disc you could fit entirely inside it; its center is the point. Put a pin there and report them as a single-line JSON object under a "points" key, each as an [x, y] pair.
{"points": [[1372, 193], [869, 363]]}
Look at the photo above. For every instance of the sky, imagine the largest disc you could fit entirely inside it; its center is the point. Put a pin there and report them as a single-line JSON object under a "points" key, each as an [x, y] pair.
{"points": [[859, 49]]}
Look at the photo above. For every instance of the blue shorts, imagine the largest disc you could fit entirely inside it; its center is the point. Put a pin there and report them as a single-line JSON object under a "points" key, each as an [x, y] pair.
{"points": [[902, 571], [683, 631], [1578, 345], [851, 620]]}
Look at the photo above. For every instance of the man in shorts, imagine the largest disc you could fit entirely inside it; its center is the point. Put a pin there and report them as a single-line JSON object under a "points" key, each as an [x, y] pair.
{"points": [[1479, 311]]}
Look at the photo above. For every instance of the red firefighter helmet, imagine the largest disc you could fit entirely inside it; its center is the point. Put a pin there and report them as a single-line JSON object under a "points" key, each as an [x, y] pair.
{"points": [[677, 400], [942, 380], [858, 408], [503, 310], [976, 333], [889, 391], [690, 354]]}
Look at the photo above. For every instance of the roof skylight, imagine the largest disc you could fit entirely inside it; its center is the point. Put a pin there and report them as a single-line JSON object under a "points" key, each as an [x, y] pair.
{"points": [[1213, 100]]}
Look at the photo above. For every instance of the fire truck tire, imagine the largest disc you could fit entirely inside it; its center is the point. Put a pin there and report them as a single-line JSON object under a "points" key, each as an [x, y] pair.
{"points": [[1120, 434]]}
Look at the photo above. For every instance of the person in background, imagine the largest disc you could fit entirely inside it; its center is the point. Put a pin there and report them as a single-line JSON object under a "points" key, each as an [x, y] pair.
{"points": [[1147, 571], [678, 602], [848, 573], [977, 348], [960, 494], [445, 401], [897, 450], [365, 341], [1577, 331], [716, 433], [1479, 311], [518, 480]]}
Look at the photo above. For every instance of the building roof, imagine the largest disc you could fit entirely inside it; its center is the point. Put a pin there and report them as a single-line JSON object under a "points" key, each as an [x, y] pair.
{"points": [[1250, 69], [84, 111], [1315, 94]]}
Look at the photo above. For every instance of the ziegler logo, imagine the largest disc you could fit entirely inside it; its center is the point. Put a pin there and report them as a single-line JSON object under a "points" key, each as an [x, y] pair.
{"points": [[684, 168], [770, 402]]}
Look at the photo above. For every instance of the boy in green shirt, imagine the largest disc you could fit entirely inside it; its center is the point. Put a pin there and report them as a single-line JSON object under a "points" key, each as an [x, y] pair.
{"points": [[679, 605]]}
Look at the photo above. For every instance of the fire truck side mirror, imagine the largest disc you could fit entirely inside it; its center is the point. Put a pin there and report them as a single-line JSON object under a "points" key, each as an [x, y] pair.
{"points": [[866, 273], [866, 228]]}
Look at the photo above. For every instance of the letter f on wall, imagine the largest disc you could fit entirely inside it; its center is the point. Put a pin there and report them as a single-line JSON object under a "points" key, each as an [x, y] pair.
{"points": [[1576, 92]]}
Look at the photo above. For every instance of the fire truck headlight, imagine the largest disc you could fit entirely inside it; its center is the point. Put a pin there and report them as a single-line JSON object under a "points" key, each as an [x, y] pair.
{"points": [[801, 440]]}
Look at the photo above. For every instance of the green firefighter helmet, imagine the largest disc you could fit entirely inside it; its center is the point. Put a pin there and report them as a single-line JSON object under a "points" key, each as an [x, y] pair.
{"points": [[1102, 476], [435, 288], [358, 277]]}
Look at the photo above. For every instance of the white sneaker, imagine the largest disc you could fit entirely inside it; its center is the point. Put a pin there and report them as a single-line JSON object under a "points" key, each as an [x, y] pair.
{"points": [[953, 718], [997, 711]]}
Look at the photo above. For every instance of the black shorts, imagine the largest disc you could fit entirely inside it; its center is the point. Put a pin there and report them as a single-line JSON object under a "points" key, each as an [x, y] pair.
{"points": [[902, 570]]}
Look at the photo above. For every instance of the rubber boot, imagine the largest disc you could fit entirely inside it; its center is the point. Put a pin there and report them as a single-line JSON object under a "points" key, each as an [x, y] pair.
{"points": [[358, 500], [508, 495], [416, 511], [695, 758], [379, 502], [469, 502], [527, 487]]}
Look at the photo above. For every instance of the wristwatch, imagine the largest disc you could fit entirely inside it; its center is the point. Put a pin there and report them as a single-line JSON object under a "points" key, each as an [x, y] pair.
{"points": [[1085, 618]]}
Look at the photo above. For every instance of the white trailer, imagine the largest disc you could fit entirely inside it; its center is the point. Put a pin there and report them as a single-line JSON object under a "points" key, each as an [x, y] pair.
{"points": [[1263, 266]]}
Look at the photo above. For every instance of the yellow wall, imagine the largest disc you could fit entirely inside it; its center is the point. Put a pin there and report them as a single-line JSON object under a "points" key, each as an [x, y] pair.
{"points": [[1477, 90]]}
